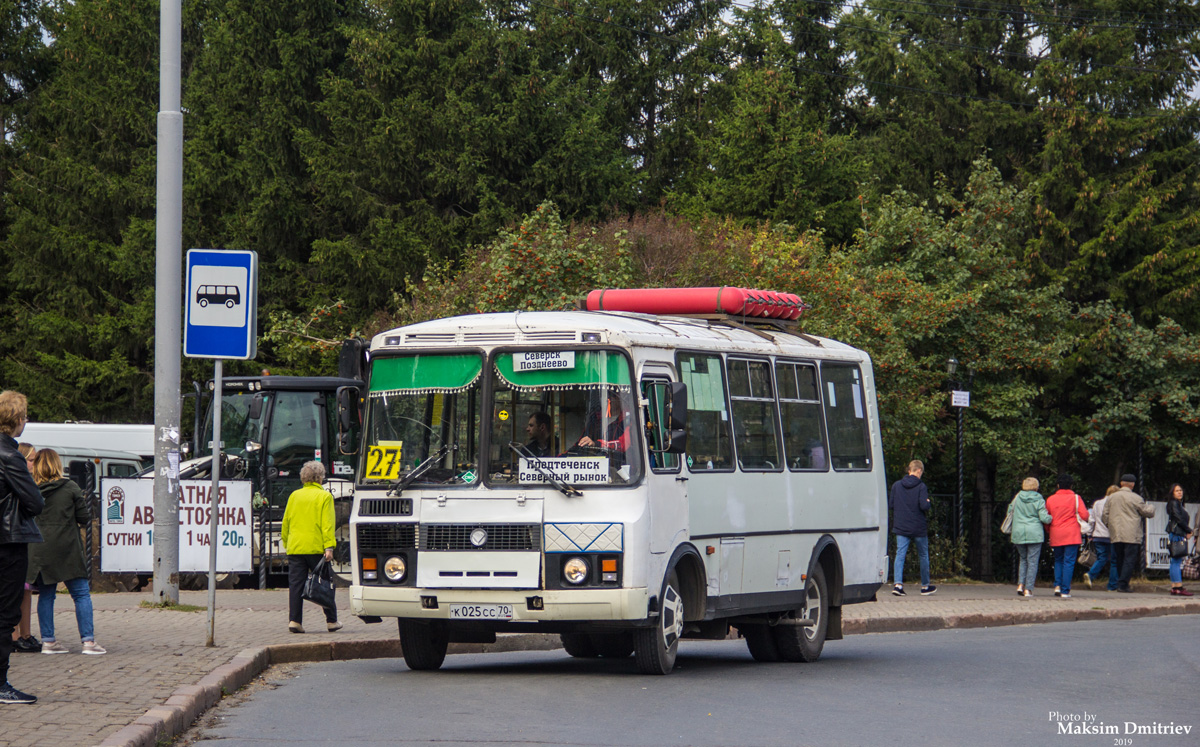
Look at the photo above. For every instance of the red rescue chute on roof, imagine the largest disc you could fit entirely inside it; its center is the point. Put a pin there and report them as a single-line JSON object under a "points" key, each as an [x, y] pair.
{"points": [[745, 302]]}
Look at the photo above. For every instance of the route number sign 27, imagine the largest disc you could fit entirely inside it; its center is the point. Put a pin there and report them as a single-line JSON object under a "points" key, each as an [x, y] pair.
{"points": [[383, 460]]}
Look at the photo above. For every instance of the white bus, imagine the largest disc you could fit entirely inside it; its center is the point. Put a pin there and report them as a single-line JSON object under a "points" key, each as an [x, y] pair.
{"points": [[695, 474]]}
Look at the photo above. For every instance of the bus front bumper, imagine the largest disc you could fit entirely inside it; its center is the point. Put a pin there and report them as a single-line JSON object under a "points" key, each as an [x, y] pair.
{"points": [[557, 605]]}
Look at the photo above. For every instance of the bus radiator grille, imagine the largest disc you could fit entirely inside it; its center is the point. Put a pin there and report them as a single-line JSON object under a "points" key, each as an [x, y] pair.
{"points": [[386, 537], [500, 537]]}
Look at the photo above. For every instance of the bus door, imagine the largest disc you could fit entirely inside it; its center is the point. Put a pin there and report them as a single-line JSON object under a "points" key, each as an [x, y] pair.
{"points": [[666, 482]]}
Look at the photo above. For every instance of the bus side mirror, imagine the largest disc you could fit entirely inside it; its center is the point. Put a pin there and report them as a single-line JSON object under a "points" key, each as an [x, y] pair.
{"points": [[678, 412], [677, 419], [347, 418], [671, 397]]}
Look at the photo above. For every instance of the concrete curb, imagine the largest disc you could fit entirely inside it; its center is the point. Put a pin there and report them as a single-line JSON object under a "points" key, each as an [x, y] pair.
{"points": [[189, 702], [998, 619]]}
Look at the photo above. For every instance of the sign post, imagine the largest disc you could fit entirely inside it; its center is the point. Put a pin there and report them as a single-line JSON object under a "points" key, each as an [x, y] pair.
{"points": [[221, 323]]}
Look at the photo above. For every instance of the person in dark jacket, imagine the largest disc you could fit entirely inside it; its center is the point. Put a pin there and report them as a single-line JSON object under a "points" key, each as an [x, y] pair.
{"points": [[60, 557], [23, 639], [1178, 531], [20, 502], [909, 503]]}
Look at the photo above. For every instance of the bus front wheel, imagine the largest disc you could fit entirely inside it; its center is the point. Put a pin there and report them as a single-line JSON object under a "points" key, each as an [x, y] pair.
{"points": [[657, 646], [423, 643], [798, 643]]}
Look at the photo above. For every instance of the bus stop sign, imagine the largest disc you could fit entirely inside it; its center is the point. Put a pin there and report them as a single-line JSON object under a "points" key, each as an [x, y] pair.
{"points": [[221, 306]]}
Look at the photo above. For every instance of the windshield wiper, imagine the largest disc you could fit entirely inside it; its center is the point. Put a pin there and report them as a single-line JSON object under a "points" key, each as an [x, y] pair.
{"points": [[521, 451], [419, 470]]}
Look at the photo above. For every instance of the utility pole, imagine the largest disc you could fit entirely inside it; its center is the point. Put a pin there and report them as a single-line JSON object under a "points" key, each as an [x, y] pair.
{"points": [[168, 264]]}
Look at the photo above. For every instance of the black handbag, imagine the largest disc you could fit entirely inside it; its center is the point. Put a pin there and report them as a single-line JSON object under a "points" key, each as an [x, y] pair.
{"points": [[318, 587], [1178, 548]]}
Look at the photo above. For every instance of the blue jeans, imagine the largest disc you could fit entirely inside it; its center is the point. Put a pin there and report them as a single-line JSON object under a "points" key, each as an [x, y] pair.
{"points": [[1064, 566], [1027, 569], [902, 544], [1176, 571], [81, 593], [1104, 556]]}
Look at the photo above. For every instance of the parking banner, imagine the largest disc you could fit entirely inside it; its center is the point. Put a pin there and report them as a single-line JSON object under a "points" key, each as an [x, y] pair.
{"points": [[1157, 540], [127, 526]]}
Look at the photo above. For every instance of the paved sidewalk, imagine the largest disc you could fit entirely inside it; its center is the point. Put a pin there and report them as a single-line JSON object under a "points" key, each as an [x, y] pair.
{"points": [[157, 658]]}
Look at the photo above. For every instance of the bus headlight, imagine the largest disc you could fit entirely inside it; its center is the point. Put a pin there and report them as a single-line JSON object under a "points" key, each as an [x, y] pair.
{"points": [[575, 570], [395, 568]]}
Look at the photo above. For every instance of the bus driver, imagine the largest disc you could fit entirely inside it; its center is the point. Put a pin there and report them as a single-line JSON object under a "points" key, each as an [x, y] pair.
{"points": [[610, 430]]}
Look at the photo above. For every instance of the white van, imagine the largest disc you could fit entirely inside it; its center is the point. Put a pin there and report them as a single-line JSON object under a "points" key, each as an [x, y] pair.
{"points": [[77, 443], [127, 438]]}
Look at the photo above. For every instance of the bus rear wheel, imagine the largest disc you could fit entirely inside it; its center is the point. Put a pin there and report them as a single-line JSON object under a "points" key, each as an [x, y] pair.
{"points": [[423, 643], [578, 645], [656, 647], [613, 645], [760, 639], [798, 643]]}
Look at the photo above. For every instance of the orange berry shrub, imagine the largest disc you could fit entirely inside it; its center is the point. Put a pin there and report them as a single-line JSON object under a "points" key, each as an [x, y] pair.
{"points": [[544, 264]]}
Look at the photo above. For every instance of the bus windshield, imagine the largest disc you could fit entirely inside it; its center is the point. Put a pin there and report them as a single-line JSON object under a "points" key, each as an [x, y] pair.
{"points": [[423, 408], [565, 414]]}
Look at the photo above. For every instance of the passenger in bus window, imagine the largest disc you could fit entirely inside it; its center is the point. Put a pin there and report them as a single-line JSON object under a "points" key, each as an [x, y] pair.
{"points": [[815, 451], [540, 429], [608, 430]]}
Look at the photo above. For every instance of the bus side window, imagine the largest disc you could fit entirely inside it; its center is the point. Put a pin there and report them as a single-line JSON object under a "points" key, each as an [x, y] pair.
{"points": [[846, 416], [709, 446], [753, 401], [800, 414]]}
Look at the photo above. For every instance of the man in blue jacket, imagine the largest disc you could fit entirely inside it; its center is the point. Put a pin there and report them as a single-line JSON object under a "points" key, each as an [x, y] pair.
{"points": [[909, 502], [20, 501]]}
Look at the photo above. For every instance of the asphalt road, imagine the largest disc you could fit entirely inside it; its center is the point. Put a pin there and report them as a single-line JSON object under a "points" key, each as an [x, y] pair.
{"points": [[1001, 686]]}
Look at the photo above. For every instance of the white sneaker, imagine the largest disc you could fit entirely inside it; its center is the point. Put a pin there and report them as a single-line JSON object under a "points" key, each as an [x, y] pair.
{"points": [[333, 626], [92, 648], [54, 647]]}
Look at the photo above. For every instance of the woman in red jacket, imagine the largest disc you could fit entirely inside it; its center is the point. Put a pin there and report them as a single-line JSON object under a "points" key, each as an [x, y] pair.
{"points": [[1067, 510]]}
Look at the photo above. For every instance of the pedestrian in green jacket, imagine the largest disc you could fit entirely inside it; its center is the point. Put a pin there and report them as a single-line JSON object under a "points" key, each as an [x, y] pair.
{"points": [[1028, 509], [60, 559], [307, 536]]}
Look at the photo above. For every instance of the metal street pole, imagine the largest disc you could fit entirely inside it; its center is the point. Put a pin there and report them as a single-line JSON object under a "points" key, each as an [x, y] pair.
{"points": [[958, 498], [218, 399], [168, 306]]}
